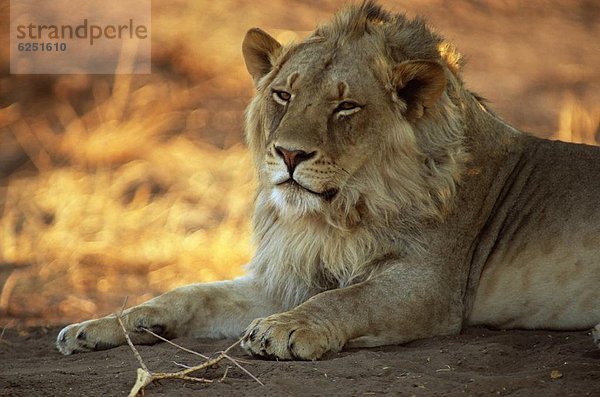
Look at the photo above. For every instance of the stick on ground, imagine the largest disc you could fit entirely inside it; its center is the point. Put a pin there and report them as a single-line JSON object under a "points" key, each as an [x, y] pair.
{"points": [[145, 376]]}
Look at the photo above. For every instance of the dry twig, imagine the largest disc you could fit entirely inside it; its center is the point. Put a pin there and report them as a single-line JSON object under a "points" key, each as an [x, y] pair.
{"points": [[176, 345], [145, 376]]}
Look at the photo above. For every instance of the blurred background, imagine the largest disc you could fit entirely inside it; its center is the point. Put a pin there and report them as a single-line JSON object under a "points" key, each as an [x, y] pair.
{"points": [[114, 186]]}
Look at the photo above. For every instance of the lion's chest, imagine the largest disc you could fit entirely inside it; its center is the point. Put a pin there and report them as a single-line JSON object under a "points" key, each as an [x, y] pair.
{"points": [[319, 257]]}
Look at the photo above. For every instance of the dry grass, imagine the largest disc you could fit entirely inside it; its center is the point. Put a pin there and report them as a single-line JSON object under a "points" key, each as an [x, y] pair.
{"points": [[134, 185], [130, 210]]}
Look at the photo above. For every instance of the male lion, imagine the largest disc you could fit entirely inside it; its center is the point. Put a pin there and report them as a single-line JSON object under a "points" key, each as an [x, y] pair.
{"points": [[392, 205]]}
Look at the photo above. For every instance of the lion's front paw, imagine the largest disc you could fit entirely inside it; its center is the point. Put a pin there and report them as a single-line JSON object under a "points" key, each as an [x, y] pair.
{"points": [[282, 336], [87, 336], [106, 333]]}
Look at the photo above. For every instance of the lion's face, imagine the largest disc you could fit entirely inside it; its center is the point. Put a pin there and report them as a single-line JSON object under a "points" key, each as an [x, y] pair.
{"points": [[333, 120], [322, 118]]}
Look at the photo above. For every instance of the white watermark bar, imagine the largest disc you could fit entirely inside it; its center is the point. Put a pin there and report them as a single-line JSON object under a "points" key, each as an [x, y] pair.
{"points": [[80, 37]]}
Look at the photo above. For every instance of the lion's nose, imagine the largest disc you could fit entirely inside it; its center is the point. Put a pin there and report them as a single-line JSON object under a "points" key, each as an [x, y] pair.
{"points": [[292, 158]]}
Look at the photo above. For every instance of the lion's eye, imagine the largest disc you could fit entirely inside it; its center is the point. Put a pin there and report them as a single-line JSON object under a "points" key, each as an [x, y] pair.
{"points": [[347, 107], [281, 97]]}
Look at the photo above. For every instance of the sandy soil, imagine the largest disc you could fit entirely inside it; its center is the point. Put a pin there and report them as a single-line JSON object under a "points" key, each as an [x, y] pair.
{"points": [[478, 362]]}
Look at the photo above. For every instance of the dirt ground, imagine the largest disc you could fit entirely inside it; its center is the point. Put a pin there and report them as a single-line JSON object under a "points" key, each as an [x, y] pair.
{"points": [[477, 362]]}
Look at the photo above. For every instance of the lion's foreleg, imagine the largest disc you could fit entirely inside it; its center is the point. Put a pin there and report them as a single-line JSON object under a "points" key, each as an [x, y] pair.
{"points": [[220, 309], [404, 304]]}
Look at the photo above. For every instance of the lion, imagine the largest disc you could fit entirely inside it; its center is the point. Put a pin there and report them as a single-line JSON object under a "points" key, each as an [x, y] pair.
{"points": [[392, 205]]}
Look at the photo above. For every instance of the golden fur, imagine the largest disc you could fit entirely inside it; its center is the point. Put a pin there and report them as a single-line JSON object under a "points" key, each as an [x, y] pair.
{"points": [[326, 249], [391, 205]]}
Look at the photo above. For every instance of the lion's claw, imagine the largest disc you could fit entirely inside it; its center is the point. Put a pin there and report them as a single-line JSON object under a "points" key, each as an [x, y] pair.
{"points": [[281, 337]]}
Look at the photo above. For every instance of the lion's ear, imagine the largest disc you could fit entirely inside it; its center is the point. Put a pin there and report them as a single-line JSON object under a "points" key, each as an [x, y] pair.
{"points": [[259, 51], [419, 84]]}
